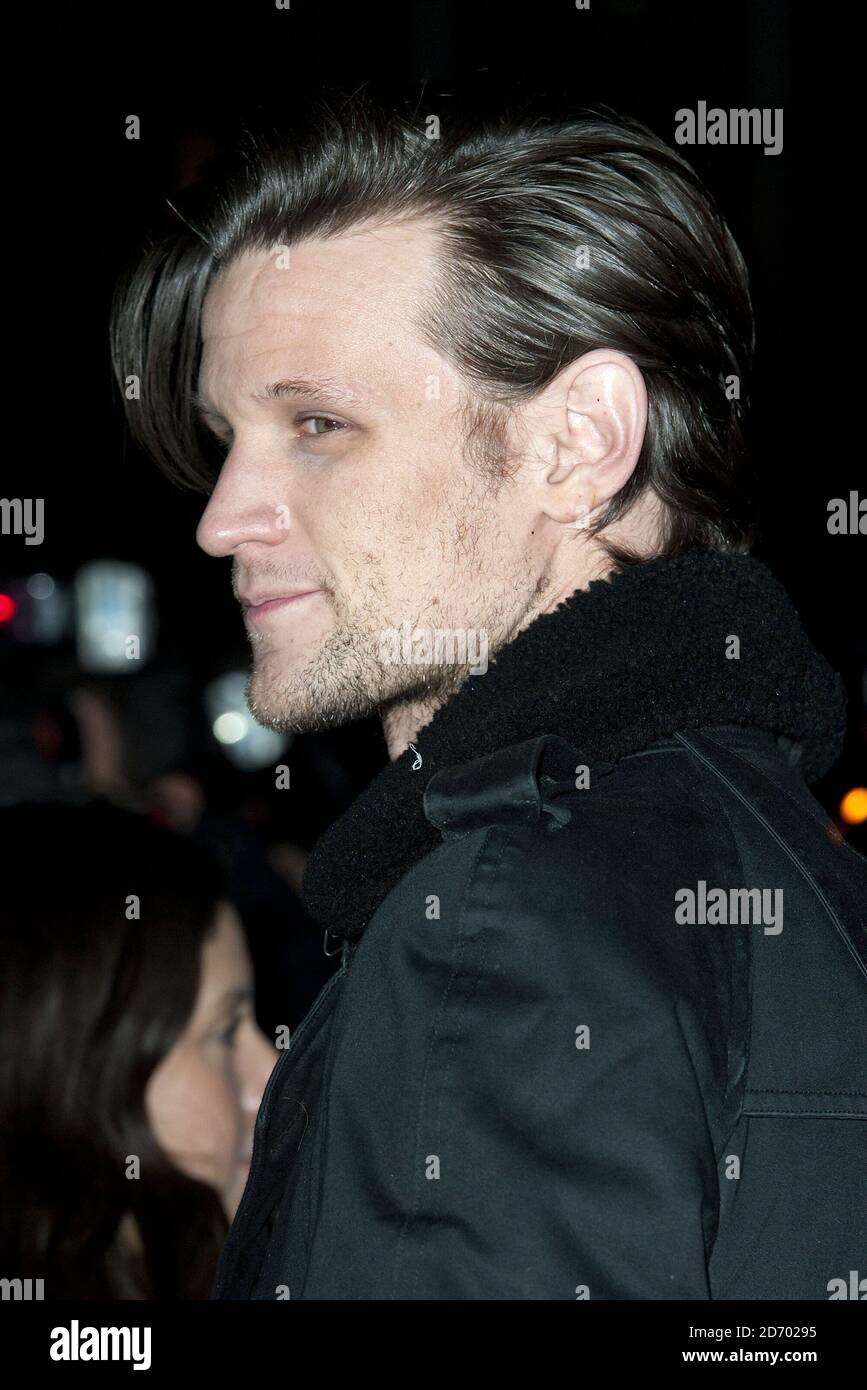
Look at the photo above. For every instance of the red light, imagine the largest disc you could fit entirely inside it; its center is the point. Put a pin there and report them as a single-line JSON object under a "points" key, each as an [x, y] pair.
{"points": [[7, 608]]}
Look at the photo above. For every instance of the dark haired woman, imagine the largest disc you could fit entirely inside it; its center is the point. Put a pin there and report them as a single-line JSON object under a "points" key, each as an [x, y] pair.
{"points": [[131, 1064]]}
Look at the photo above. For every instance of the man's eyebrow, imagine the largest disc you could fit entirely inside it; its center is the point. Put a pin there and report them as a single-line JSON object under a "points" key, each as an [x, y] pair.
{"points": [[323, 389], [310, 388]]}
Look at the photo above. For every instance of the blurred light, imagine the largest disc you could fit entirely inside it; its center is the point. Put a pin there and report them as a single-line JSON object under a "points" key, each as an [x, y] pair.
{"points": [[245, 743], [41, 608], [49, 615], [230, 727], [853, 807], [40, 586], [114, 603]]}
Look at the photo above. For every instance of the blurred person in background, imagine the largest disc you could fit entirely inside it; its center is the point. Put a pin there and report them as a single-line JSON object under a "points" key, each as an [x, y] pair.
{"points": [[66, 736], [132, 1064]]}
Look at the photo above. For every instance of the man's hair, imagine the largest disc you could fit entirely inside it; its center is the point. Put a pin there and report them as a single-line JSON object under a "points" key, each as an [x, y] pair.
{"points": [[555, 238]]}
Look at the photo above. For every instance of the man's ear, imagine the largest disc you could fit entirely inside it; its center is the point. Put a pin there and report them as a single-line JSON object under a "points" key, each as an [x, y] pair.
{"points": [[588, 426]]}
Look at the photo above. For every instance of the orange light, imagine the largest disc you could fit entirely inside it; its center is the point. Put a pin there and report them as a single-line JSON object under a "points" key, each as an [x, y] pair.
{"points": [[853, 807], [7, 608]]}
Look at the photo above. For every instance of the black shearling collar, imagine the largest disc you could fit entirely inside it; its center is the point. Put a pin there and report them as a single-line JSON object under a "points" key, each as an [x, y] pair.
{"points": [[615, 668]]}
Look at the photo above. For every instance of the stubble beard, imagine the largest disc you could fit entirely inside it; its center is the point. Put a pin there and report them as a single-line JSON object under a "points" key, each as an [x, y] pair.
{"points": [[344, 679]]}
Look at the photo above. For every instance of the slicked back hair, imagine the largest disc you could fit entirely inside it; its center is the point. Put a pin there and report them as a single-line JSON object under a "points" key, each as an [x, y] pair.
{"points": [[555, 238]]}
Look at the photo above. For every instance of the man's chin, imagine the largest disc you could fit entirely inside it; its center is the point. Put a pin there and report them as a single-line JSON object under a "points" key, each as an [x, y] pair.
{"points": [[275, 707], [303, 707], [279, 710]]}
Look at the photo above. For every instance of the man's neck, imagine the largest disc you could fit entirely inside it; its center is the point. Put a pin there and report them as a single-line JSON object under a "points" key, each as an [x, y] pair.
{"points": [[401, 723]]}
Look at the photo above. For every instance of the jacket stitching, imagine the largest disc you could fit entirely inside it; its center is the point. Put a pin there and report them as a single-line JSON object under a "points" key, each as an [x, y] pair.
{"points": [[307, 1183], [240, 1228], [461, 945], [755, 1245], [767, 1091], [708, 1245], [821, 819], [732, 1088], [818, 1113], [787, 849]]}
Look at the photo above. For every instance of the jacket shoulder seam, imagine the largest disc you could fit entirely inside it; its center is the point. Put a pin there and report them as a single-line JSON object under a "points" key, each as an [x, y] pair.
{"points": [[787, 849]]}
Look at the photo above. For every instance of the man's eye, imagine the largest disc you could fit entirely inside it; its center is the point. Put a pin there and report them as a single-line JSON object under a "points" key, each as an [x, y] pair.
{"points": [[323, 419]]}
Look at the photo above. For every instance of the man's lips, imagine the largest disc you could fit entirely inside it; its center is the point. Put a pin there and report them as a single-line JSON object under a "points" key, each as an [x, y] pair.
{"points": [[257, 606]]}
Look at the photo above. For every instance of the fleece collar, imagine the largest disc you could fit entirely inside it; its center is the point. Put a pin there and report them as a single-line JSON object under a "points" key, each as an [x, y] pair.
{"points": [[615, 668]]}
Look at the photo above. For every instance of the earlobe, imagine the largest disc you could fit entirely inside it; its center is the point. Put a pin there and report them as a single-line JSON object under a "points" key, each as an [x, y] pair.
{"points": [[584, 512], [578, 514]]}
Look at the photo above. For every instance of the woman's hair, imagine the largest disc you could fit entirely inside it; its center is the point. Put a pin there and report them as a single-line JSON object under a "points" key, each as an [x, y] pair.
{"points": [[556, 237], [92, 998]]}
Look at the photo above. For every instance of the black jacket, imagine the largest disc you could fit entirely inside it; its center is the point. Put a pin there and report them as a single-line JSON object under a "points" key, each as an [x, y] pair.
{"points": [[600, 1024]]}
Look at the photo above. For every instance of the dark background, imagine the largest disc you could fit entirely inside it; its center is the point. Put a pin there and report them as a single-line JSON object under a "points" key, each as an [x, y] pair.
{"points": [[194, 74]]}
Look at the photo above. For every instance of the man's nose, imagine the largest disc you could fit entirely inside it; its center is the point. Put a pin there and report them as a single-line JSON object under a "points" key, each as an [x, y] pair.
{"points": [[242, 507]]}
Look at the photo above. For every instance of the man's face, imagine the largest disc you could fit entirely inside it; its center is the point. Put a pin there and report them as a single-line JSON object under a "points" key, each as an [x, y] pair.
{"points": [[368, 500]]}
